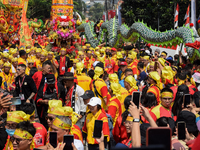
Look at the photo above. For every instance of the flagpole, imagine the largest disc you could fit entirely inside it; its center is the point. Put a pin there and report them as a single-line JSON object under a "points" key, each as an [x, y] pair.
{"points": [[193, 12]]}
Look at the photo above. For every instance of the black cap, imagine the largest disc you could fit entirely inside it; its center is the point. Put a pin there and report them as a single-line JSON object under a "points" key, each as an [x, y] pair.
{"points": [[22, 53], [88, 94], [68, 76], [50, 79]]}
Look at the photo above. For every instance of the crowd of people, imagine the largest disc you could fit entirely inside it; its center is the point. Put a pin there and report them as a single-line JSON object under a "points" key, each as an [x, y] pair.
{"points": [[66, 96]]}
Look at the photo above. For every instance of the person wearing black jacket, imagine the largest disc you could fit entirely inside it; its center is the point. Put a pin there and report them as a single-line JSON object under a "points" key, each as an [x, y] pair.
{"points": [[51, 90], [63, 61], [25, 86]]}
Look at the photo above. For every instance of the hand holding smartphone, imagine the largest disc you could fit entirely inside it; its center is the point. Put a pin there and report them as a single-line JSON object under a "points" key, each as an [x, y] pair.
{"points": [[136, 98], [181, 130], [186, 100], [68, 139]]}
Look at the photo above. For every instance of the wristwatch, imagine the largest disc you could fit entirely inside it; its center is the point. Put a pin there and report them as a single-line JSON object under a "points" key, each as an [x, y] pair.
{"points": [[136, 120]]}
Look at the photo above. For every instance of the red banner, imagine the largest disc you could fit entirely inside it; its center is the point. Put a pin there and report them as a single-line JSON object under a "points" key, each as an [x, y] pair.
{"points": [[111, 14]]}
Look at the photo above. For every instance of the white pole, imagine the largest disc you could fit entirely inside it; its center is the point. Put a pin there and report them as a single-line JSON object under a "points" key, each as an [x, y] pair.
{"points": [[193, 12]]}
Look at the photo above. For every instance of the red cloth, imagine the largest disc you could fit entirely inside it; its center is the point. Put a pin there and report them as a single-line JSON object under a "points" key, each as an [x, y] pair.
{"points": [[110, 66], [62, 64], [119, 131], [195, 45], [196, 144], [40, 135]]}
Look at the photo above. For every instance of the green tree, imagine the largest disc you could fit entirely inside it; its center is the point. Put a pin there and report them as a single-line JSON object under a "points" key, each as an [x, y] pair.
{"points": [[39, 9], [150, 10], [96, 11], [80, 7]]}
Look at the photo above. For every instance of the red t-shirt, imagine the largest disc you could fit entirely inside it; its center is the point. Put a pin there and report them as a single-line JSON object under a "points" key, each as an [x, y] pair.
{"points": [[40, 135]]}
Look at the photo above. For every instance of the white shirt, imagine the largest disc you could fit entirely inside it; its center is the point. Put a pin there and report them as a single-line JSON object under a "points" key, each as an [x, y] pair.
{"points": [[78, 144]]}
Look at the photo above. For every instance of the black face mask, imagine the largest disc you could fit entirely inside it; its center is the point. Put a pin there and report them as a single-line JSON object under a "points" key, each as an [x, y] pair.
{"points": [[108, 54]]}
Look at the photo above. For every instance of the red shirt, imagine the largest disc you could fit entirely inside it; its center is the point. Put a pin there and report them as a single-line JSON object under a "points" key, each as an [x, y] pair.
{"points": [[40, 135], [110, 66]]}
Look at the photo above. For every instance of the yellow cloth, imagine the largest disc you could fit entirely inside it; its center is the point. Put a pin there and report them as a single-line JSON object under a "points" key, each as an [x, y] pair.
{"points": [[27, 71], [17, 116], [124, 94], [53, 104], [167, 73], [116, 88], [23, 134], [113, 78], [21, 60], [155, 76], [38, 65], [84, 82], [9, 79], [97, 72], [60, 124], [131, 80], [79, 67]]}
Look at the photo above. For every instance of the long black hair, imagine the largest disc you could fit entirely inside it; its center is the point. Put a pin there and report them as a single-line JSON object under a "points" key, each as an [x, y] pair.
{"points": [[149, 100]]}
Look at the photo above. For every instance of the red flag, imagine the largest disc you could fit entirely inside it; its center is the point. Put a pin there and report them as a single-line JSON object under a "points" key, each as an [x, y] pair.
{"points": [[187, 16], [176, 16]]}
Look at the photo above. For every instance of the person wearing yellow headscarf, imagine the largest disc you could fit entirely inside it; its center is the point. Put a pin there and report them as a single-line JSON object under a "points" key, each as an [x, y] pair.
{"points": [[150, 67], [30, 65], [113, 78], [99, 86], [130, 84], [89, 60], [132, 63], [14, 65], [81, 57], [13, 119], [155, 84], [146, 62], [4, 57], [22, 58], [23, 136], [83, 81], [7, 77], [37, 54], [38, 63], [114, 105]]}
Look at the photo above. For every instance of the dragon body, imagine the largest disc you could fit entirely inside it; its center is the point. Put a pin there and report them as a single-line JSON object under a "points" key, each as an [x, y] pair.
{"points": [[116, 34]]}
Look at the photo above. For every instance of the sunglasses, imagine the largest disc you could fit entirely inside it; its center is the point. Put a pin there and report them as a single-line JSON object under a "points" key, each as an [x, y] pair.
{"points": [[18, 69], [11, 126], [30, 63], [49, 118], [18, 140]]}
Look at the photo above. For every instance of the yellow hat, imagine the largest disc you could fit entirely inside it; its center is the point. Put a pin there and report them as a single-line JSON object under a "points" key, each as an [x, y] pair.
{"points": [[151, 64], [60, 124], [80, 53], [87, 45], [84, 47], [79, 67], [97, 72], [119, 55], [155, 76], [131, 80], [102, 50], [54, 104], [89, 52], [44, 53], [7, 64], [116, 88], [28, 50], [146, 57], [123, 52], [38, 50], [10, 50], [51, 53], [14, 59], [30, 60], [91, 49], [130, 56], [21, 48], [113, 78], [167, 75], [108, 48], [162, 61], [10, 57], [75, 61], [97, 48], [97, 54], [69, 112], [5, 54], [17, 116]]}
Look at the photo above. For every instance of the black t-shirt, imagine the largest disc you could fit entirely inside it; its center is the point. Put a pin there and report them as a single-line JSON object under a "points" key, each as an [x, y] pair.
{"points": [[28, 86], [42, 81]]}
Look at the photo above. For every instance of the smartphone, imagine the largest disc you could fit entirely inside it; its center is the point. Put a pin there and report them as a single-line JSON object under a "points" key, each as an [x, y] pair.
{"points": [[136, 96], [159, 136], [68, 139], [181, 130], [53, 139], [97, 128], [16, 101], [186, 100]]}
